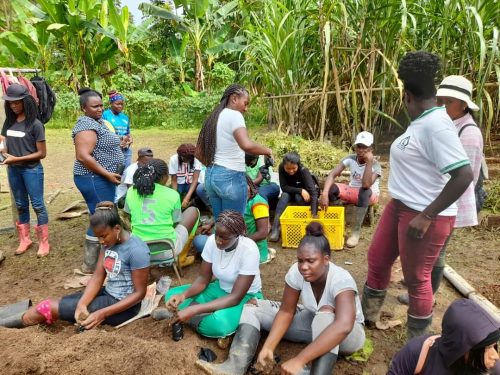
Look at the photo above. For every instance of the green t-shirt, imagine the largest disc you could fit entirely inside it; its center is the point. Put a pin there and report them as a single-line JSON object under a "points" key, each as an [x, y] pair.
{"points": [[252, 172], [153, 217], [256, 208]]}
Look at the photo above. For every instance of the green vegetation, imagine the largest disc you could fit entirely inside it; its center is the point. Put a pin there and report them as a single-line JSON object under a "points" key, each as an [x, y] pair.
{"points": [[330, 65]]}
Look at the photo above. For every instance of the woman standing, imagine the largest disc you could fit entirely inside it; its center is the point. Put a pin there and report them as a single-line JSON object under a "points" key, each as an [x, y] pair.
{"points": [[24, 148], [429, 172], [329, 319], [98, 159], [120, 123], [454, 93], [222, 144]]}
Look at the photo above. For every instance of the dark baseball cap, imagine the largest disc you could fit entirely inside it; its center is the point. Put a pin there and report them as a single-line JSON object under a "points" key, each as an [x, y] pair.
{"points": [[145, 151], [15, 92]]}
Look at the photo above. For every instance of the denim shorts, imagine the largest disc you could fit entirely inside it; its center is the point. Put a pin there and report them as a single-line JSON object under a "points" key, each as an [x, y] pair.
{"points": [[67, 308]]}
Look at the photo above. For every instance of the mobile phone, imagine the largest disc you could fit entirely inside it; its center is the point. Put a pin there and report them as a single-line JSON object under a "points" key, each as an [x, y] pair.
{"points": [[2, 158]]}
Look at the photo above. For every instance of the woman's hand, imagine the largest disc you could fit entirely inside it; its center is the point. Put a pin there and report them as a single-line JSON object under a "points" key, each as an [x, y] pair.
{"points": [[94, 319], [324, 202], [292, 367], [418, 226], [115, 178], [266, 356], [305, 195], [9, 159], [185, 315], [81, 313], [175, 301]]}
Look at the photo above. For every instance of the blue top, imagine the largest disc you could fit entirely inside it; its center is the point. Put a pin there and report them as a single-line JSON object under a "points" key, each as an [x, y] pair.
{"points": [[120, 122], [119, 262]]}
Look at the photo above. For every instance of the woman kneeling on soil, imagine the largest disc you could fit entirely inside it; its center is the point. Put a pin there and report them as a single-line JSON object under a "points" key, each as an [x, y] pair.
{"points": [[463, 347], [124, 259], [214, 308], [155, 210], [330, 319]]}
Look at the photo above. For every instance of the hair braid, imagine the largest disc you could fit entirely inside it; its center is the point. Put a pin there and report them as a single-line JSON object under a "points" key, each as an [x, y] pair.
{"points": [[205, 147], [253, 190], [233, 221], [147, 175]]}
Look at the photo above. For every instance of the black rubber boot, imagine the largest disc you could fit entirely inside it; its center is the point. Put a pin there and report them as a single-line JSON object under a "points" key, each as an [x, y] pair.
{"points": [[92, 249], [240, 356], [324, 364], [417, 326], [11, 316], [372, 302]]}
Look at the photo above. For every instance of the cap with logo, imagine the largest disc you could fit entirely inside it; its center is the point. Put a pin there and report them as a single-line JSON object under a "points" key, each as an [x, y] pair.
{"points": [[364, 138]]}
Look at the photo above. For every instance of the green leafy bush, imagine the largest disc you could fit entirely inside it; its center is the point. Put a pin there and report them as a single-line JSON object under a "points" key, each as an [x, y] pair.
{"points": [[492, 202], [220, 76], [319, 157]]}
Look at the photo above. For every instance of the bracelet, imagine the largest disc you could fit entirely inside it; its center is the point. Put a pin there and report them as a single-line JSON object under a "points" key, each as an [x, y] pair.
{"points": [[427, 216]]}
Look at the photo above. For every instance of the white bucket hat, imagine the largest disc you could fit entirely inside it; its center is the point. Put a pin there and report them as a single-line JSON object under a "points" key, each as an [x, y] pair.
{"points": [[457, 87], [364, 138]]}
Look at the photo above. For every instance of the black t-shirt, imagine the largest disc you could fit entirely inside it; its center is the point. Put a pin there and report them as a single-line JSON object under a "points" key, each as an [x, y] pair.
{"points": [[21, 141]]}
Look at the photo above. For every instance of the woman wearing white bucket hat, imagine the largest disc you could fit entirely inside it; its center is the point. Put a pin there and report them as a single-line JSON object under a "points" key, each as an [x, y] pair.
{"points": [[454, 93]]}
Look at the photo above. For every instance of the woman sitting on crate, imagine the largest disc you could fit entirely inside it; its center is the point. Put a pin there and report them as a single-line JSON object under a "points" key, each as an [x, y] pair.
{"points": [[213, 308], [123, 259], [363, 189], [256, 220], [329, 320], [155, 210], [299, 187]]}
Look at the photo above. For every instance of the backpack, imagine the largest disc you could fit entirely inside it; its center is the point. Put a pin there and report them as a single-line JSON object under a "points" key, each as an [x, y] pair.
{"points": [[479, 191], [47, 98]]}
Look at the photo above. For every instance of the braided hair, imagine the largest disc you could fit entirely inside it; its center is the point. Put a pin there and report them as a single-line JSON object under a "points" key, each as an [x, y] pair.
{"points": [[315, 235], [205, 148], [147, 175], [252, 189], [85, 93], [30, 112], [186, 150], [233, 221], [418, 71], [105, 215]]}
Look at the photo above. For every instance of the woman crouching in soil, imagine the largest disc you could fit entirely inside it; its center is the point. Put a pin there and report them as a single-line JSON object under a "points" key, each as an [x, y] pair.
{"points": [[124, 259], [330, 320]]}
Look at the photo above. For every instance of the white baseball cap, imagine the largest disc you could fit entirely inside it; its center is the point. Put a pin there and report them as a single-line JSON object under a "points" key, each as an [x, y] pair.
{"points": [[364, 138], [457, 87]]}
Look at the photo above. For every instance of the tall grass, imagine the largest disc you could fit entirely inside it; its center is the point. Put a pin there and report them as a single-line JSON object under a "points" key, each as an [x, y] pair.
{"points": [[341, 58]]}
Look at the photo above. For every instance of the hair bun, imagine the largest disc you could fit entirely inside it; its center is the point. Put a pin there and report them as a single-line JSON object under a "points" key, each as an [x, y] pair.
{"points": [[112, 92], [315, 229], [84, 90], [105, 204]]}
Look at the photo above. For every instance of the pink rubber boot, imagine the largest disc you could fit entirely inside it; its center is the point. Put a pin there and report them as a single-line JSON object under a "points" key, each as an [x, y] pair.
{"points": [[23, 231], [42, 233]]}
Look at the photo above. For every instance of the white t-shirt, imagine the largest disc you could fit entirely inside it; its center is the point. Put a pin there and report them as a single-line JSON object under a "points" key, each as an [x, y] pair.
{"points": [[183, 172], [337, 281], [127, 180], [421, 158], [227, 152], [226, 266], [357, 171]]}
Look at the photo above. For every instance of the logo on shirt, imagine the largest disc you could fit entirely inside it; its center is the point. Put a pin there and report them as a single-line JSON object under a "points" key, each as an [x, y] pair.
{"points": [[403, 143], [112, 264]]}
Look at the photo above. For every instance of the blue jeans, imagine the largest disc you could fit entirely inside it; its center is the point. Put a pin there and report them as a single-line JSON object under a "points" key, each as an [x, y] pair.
{"points": [[199, 242], [182, 189], [26, 184], [127, 154], [94, 189], [227, 189], [270, 193], [201, 192]]}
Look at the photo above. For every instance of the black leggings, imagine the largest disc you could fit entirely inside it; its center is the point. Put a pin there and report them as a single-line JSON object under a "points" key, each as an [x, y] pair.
{"points": [[287, 198], [363, 197]]}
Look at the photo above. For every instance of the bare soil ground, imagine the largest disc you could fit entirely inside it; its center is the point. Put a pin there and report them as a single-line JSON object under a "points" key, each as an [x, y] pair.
{"points": [[145, 346]]}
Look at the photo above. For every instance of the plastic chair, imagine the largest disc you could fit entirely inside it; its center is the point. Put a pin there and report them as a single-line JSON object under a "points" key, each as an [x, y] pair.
{"points": [[162, 254]]}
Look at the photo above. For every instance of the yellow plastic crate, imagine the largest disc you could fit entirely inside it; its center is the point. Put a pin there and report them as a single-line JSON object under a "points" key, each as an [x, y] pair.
{"points": [[295, 219]]}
